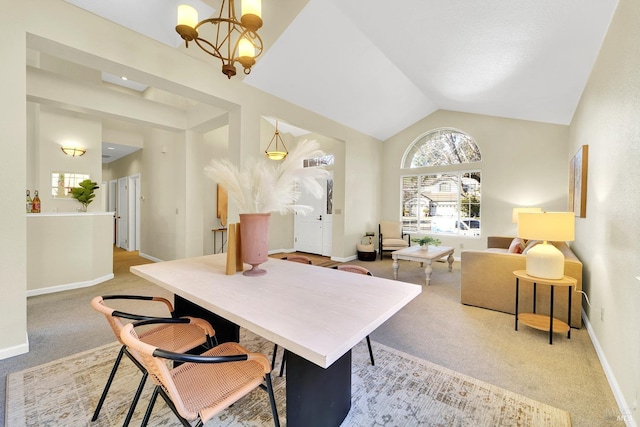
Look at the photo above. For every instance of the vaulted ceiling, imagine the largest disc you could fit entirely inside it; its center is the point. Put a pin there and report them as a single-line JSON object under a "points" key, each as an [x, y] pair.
{"points": [[379, 67]]}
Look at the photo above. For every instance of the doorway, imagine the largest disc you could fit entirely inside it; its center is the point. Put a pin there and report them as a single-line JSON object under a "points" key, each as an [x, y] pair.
{"points": [[128, 213], [313, 233]]}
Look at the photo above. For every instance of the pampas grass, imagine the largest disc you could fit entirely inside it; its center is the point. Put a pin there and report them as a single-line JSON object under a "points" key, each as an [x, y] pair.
{"points": [[266, 186]]}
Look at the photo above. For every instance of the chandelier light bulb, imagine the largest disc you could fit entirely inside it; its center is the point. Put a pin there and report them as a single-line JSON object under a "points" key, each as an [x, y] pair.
{"points": [[187, 15], [252, 7], [246, 49]]}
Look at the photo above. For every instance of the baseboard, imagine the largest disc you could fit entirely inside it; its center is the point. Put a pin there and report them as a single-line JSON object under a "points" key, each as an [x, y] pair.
{"points": [[625, 412], [16, 350], [69, 286], [149, 257]]}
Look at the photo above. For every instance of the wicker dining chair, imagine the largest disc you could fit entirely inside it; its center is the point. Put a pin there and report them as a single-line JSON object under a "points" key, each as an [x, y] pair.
{"points": [[298, 258], [353, 269], [202, 386], [175, 334]]}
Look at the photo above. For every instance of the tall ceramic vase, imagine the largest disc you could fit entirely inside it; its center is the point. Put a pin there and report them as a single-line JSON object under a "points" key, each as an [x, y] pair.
{"points": [[254, 239]]}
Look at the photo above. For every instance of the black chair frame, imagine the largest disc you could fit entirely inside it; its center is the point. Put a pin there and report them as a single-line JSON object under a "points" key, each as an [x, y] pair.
{"points": [[123, 351]]}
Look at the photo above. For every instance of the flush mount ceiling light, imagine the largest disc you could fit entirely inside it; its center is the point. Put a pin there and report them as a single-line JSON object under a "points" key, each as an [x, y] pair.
{"points": [[73, 151], [276, 154], [235, 41]]}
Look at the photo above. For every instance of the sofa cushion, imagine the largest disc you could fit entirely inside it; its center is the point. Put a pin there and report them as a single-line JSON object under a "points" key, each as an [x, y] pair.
{"points": [[517, 246], [499, 250], [394, 243]]}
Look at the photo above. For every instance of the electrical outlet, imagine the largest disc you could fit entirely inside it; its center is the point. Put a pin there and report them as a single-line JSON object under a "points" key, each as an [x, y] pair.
{"points": [[461, 245], [602, 314]]}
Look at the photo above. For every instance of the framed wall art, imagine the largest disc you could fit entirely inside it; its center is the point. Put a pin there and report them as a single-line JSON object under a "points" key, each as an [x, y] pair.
{"points": [[578, 182], [221, 202]]}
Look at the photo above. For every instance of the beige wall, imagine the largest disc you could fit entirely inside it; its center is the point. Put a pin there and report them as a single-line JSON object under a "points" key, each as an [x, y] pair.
{"points": [[607, 120], [55, 129], [13, 221], [523, 164]]}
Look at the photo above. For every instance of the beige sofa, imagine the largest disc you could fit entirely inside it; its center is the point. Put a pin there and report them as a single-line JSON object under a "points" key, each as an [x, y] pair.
{"points": [[488, 282]]}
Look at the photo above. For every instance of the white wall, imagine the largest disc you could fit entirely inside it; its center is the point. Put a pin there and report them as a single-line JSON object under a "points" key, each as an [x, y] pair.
{"points": [[607, 120], [523, 164]]}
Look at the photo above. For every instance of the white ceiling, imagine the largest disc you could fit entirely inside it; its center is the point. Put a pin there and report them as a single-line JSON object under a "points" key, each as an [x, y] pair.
{"points": [[379, 67]]}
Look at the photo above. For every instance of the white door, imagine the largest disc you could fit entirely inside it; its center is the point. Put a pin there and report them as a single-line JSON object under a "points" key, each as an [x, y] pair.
{"points": [[312, 230], [122, 211], [111, 206], [134, 213]]}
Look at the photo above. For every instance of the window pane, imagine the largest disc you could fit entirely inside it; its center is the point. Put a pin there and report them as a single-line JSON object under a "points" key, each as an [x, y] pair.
{"points": [[446, 203], [442, 147]]}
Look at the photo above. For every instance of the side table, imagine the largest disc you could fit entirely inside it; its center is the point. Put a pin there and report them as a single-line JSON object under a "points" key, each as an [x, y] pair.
{"points": [[222, 231], [539, 321]]}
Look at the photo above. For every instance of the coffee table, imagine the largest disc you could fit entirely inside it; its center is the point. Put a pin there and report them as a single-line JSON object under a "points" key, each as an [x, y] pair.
{"points": [[418, 253]]}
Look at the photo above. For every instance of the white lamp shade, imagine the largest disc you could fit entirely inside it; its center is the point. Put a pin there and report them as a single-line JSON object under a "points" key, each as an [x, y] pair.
{"points": [[548, 226], [517, 211]]}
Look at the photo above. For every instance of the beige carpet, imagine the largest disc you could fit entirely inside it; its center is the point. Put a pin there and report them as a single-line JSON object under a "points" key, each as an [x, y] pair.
{"points": [[400, 390]]}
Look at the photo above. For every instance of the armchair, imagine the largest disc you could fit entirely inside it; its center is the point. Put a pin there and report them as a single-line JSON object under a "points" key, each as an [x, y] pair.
{"points": [[391, 236]]}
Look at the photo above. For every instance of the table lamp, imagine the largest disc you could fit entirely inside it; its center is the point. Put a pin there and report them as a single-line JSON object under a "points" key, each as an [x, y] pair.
{"points": [[545, 260]]}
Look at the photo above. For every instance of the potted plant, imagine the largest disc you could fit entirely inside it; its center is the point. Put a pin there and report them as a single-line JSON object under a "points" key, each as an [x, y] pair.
{"points": [[85, 193], [263, 186], [425, 241]]}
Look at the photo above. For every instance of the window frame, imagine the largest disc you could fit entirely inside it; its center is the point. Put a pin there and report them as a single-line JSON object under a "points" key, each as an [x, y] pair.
{"points": [[457, 169]]}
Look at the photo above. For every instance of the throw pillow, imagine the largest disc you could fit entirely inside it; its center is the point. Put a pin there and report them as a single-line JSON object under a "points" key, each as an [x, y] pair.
{"points": [[516, 246], [530, 244]]}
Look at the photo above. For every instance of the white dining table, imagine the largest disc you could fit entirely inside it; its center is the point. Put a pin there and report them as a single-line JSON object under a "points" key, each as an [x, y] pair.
{"points": [[318, 314]]}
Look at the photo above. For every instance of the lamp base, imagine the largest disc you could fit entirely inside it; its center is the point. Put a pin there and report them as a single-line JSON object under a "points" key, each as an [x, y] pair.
{"points": [[545, 261]]}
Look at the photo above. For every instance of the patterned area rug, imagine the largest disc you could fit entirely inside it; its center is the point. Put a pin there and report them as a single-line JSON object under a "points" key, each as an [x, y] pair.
{"points": [[400, 390]]}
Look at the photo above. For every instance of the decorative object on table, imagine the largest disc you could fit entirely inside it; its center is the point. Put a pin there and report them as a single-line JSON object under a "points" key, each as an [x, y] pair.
{"points": [[231, 266], [544, 260], [85, 193], [262, 187], [425, 241], [578, 182], [239, 264], [29, 202], [35, 204]]}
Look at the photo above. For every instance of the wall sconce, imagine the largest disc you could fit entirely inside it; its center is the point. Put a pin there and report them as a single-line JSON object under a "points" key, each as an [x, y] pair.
{"points": [[73, 151]]}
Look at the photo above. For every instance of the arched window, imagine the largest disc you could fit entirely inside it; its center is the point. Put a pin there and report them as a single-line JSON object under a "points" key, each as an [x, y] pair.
{"points": [[442, 199]]}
